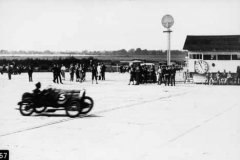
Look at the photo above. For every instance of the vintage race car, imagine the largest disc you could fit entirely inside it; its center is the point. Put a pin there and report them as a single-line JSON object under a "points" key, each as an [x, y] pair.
{"points": [[75, 102]]}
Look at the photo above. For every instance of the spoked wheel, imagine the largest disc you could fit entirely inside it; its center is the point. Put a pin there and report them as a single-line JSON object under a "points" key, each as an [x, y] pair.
{"points": [[87, 105], [40, 109], [73, 109], [26, 108]]}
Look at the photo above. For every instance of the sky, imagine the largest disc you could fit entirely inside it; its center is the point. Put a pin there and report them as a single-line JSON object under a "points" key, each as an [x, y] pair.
{"points": [[105, 25]]}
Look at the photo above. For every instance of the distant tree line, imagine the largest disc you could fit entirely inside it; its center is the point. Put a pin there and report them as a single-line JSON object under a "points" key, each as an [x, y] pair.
{"points": [[46, 64], [137, 51]]}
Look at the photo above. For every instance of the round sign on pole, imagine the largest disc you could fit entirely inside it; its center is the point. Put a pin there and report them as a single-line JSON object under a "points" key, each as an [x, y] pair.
{"points": [[167, 21]]}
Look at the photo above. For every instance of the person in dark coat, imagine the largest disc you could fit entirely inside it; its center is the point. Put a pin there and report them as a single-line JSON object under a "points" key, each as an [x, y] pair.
{"points": [[163, 73], [30, 72], [54, 70], [238, 75], [138, 73], [94, 73], [103, 70], [167, 76], [10, 71], [173, 74], [84, 72], [145, 73], [153, 74], [58, 70], [3, 69], [71, 71]]}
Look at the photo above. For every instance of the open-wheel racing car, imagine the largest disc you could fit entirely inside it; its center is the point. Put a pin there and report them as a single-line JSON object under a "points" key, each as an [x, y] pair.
{"points": [[75, 102]]}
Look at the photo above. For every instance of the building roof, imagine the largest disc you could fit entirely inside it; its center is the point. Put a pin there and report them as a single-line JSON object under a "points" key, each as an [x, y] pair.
{"points": [[212, 43]]}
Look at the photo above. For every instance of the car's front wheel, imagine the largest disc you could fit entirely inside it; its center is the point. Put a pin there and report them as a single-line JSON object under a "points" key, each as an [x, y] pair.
{"points": [[73, 108]]}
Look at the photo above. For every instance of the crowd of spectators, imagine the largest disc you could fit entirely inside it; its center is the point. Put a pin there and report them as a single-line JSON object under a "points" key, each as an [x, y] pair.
{"points": [[224, 78], [142, 74]]}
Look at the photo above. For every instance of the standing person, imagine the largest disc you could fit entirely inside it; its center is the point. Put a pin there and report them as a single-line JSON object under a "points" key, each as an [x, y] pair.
{"points": [[141, 74], [210, 78], [63, 68], [84, 72], [137, 74], [229, 78], [59, 74], [3, 69], [77, 72], [173, 74], [54, 70], [167, 75], [132, 75], [99, 70], [163, 73], [80, 73], [94, 73], [218, 78], [30, 72], [238, 75], [207, 78], [121, 69], [71, 71], [224, 77], [153, 74], [103, 70], [9, 70], [145, 73], [159, 72]]}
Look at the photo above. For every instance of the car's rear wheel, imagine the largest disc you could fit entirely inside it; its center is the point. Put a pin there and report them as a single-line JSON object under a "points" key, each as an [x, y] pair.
{"points": [[87, 105], [26, 107]]}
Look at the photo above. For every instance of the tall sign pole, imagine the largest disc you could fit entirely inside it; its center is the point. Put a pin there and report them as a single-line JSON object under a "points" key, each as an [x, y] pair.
{"points": [[167, 22]]}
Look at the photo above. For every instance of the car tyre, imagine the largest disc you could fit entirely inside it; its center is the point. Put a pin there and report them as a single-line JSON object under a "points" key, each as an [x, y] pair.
{"points": [[87, 105]]}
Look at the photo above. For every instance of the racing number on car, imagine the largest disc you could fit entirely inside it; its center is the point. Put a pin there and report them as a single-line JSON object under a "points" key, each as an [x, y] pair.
{"points": [[61, 98]]}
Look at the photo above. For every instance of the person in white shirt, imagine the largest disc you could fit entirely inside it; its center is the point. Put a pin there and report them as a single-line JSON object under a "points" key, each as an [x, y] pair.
{"points": [[63, 68], [99, 68]]}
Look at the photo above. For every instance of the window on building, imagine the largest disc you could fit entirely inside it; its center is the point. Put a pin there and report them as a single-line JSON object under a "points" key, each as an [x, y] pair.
{"points": [[235, 57], [224, 57], [209, 57], [195, 56]]}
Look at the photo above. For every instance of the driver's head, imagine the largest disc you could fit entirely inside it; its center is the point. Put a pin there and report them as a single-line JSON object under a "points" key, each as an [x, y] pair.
{"points": [[38, 85]]}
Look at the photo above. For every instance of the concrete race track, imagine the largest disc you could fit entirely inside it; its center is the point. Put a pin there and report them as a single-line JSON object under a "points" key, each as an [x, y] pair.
{"points": [[145, 122]]}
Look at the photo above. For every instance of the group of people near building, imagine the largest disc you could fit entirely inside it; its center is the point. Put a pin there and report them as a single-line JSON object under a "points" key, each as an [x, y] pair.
{"points": [[224, 78], [141, 73], [166, 75]]}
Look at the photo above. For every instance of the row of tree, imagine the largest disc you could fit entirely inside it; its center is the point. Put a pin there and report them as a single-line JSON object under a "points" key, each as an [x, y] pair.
{"points": [[137, 51]]}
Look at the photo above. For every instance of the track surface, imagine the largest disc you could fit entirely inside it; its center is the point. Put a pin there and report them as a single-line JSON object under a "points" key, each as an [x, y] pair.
{"points": [[128, 122]]}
